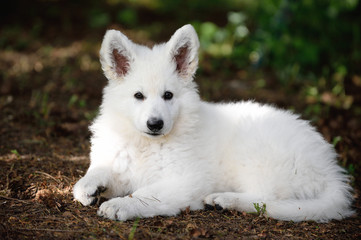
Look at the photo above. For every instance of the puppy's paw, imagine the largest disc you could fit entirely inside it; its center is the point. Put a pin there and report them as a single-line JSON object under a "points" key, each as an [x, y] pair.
{"points": [[209, 200], [87, 191], [217, 201], [116, 209]]}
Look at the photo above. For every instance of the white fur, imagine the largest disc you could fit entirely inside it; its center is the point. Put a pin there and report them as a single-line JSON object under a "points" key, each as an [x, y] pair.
{"points": [[233, 155]]}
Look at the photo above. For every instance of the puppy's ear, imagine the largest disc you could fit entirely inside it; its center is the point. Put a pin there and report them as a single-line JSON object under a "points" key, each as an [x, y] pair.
{"points": [[116, 55], [183, 48]]}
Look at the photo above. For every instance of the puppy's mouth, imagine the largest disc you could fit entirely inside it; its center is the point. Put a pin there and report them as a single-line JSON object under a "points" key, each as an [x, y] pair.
{"points": [[154, 134]]}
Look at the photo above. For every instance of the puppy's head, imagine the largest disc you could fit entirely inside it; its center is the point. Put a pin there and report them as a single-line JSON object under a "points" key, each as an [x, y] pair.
{"points": [[149, 87]]}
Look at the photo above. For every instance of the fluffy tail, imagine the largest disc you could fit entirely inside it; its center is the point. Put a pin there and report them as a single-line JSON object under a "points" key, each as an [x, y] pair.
{"points": [[333, 203]]}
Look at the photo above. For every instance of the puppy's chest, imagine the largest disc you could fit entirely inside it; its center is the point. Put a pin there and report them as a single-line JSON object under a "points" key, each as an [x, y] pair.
{"points": [[145, 162]]}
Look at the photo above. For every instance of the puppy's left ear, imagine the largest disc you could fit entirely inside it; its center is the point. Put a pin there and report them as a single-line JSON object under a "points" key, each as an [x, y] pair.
{"points": [[183, 48], [116, 55]]}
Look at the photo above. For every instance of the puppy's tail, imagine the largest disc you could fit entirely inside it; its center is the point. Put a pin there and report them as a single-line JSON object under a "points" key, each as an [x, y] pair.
{"points": [[333, 203]]}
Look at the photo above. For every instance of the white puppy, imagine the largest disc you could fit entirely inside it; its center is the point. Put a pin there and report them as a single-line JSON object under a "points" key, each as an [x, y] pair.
{"points": [[157, 148]]}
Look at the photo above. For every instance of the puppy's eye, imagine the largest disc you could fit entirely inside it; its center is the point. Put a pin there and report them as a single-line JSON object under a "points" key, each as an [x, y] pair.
{"points": [[139, 96], [168, 95]]}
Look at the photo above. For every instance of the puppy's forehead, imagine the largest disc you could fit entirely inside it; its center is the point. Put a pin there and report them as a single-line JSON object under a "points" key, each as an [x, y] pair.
{"points": [[144, 52], [154, 65], [156, 82], [152, 83]]}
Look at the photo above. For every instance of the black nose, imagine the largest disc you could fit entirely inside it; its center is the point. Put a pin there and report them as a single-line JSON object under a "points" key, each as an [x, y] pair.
{"points": [[155, 124]]}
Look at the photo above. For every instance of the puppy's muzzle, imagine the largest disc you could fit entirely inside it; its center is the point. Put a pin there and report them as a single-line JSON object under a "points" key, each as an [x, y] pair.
{"points": [[155, 125]]}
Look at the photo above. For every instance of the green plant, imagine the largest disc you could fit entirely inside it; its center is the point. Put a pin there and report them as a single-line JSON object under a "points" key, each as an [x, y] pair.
{"points": [[336, 140], [351, 169], [260, 209], [274, 36], [14, 151], [98, 18], [76, 100], [134, 228]]}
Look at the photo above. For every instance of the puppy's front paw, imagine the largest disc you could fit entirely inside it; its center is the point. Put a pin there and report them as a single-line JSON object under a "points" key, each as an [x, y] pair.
{"points": [[88, 192], [116, 209]]}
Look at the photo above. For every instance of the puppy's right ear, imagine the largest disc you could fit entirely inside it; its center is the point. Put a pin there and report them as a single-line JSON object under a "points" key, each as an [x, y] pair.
{"points": [[116, 55], [183, 48]]}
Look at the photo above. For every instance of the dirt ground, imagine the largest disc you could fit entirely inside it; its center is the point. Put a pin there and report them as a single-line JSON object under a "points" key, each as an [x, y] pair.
{"points": [[48, 97]]}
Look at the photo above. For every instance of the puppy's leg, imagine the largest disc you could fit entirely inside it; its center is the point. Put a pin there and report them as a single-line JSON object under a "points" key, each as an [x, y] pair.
{"points": [[232, 200], [158, 199], [89, 188]]}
